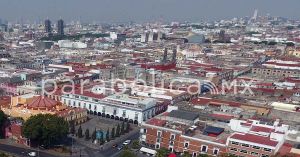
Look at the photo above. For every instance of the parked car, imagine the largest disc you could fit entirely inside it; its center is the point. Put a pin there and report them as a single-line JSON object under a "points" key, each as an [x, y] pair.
{"points": [[115, 146], [127, 142], [120, 148], [33, 154]]}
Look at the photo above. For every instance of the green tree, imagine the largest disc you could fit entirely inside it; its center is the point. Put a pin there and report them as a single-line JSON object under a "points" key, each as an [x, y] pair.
{"points": [[127, 153], [162, 152], [127, 127], [107, 135], [118, 131], [227, 155], [3, 119], [45, 129], [101, 139], [123, 128], [4, 155], [87, 134], [112, 133], [94, 135], [72, 127], [186, 154], [203, 155], [79, 132], [136, 144]]}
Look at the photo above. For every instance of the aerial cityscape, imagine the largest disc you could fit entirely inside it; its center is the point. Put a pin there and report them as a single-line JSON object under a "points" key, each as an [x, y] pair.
{"points": [[106, 84]]}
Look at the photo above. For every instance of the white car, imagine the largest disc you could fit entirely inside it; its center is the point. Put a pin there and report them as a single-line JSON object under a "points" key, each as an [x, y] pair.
{"points": [[33, 154], [127, 142]]}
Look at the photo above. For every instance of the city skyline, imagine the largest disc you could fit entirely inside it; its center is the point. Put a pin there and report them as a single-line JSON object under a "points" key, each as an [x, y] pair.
{"points": [[143, 11]]}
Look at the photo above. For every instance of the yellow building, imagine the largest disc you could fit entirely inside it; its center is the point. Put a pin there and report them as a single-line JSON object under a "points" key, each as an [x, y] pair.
{"points": [[25, 106]]}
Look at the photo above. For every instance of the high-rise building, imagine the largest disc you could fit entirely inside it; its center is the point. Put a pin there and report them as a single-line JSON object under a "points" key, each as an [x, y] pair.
{"points": [[48, 28], [60, 27]]}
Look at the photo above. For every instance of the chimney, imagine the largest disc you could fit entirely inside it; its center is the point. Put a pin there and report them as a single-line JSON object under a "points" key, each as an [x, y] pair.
{"points": [[165, 55]]}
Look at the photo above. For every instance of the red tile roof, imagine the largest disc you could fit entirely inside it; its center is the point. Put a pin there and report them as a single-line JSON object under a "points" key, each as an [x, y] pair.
{"points": [[42, 102], [261, 129], [254, 139], [157, 122]]}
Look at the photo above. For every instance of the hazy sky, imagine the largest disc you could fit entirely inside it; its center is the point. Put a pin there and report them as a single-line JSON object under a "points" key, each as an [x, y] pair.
{"points": [[143, 10]]}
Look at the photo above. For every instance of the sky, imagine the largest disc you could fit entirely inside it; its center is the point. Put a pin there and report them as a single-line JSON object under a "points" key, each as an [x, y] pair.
{"points": [[143, 10]]}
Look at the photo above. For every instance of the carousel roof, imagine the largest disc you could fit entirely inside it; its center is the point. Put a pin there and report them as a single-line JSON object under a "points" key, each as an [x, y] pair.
{"points": [[42, 102]]}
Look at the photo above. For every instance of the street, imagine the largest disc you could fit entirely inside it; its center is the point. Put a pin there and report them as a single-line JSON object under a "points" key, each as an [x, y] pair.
{"points": [[22, 152]]}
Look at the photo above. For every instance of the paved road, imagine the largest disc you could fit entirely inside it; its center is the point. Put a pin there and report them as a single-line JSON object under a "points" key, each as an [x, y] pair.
{"points": [[113, 152], [23, 152]]}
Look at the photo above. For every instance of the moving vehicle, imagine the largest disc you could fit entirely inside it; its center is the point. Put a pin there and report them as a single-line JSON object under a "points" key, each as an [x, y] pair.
{"points": [[115, 146], [127, 142], [33, 154], [120, 148]]}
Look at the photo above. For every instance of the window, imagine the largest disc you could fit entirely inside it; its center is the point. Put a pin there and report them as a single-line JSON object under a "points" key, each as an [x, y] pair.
{"points": [[90, 106], [255, 147], [243, 151], [79, 105], [124, 113], [203, 148], [267, 149], [158, 140], [233, 149], [172, 143], [234, 143], [95, 108], [157, 146], [158, 133], [263, 155], [136, 116], [215, 151], [186, 145], [194, 154], [172, 137], [245, 145], [254, 153]]}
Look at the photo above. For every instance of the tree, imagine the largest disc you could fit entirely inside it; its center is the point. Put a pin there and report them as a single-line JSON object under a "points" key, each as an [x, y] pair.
{"points": [[101, 139], [87, 134], [3, 119], [94, 135], [123, 128], [118, 131], [136, 144], [227, 155], [79, 132], [127, 127], [107, 135], [203, 155], [45, 129], [186, 154], [127, 153], [112, 133], [72, 127], [162, 152]]}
